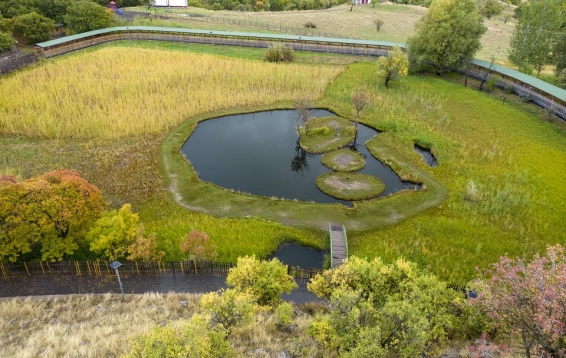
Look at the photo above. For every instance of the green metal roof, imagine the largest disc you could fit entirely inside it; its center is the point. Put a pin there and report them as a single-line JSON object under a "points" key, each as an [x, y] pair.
{"points": [[530, 80], [83, 35]]}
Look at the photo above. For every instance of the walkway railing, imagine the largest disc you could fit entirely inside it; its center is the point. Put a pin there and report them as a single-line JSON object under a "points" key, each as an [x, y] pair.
{"points": [[134, 268]]}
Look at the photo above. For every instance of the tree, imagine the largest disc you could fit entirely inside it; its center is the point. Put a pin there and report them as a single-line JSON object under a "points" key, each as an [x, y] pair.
{"points": [[303, 106], [197, 247], [360, 99], [448, 32], [186, 339], [6, 25], [535, 35], [145, 249], [265, 280], [559, 52], [379, 309], [489, 8], [6, 41], [113, 233], [529, 299], [54, 9], [34, 27], [394, 66], [229, 308], [378, 23], [52, 212], [83, 16]]}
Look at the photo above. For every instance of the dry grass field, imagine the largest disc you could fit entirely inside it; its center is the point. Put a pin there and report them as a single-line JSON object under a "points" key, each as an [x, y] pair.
{"points": [[100, 325], [398, 26]]}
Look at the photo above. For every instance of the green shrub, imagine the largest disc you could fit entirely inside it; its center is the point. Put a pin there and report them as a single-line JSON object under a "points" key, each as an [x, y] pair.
{"points": [[379, 310], [509, 89], [229, 308], [217, 7], [310, 25], [83, 16], [492, 82], [283, 316], [279, 53], [265, 280], [6, 25], [34, 27], [6, 41], [243, 8], [195, 3], [188, 339]]}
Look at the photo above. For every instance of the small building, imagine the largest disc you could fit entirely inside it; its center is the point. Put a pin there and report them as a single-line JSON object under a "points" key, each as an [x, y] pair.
{"points": [[361, 2], [171, 3]]}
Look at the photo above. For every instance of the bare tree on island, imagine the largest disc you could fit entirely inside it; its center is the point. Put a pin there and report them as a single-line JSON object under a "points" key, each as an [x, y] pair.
{"points": [[360, 99], [304, 107]]}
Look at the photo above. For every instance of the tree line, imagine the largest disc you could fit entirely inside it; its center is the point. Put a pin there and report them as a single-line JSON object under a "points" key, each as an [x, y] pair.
{"points": [[35, 21], [61, 215]]}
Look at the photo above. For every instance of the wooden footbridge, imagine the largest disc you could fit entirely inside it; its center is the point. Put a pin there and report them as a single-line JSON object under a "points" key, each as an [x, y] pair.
{"points": [[338, 245]]}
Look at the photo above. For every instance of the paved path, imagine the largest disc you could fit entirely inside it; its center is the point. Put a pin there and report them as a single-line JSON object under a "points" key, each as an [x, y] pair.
{"points": [[66, 285]]}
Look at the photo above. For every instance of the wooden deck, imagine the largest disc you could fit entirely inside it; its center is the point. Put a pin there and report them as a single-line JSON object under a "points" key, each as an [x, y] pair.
{"points": [[338, 245]]}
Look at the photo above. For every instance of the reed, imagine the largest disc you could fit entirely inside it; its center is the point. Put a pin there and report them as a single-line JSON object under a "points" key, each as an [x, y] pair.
{"points": [[116, 92]]}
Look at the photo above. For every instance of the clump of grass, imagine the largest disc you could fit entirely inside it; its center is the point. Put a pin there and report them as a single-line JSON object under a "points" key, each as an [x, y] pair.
{"points": [[115, 92], [278, 52]]}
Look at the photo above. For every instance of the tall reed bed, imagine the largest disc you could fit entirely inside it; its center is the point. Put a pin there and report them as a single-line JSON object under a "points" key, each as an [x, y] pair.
{"points": [[115, 92]]}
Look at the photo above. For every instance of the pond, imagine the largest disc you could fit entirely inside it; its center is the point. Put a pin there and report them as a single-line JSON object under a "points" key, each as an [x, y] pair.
{"points": [[427, 155], [259, 154], [299, 256]]}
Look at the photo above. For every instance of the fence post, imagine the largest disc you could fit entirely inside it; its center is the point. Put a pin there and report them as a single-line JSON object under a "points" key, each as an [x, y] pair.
{"points": [[3, 270], [78, 268]]}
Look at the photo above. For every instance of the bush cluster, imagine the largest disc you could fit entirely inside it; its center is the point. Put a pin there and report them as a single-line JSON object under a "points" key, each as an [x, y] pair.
{"points": [[279, 53], [268, 5]]}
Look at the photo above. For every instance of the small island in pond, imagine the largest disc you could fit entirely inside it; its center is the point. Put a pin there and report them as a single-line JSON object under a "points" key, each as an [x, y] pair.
{"points": [[350, 186], [344, 160]]}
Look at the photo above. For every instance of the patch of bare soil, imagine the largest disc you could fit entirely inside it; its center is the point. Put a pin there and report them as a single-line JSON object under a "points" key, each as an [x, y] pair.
{"points": [[344, 160], [346, 185]]}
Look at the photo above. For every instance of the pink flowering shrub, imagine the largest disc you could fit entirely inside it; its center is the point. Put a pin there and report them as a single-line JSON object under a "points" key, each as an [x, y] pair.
{"points": [[529, 299]]}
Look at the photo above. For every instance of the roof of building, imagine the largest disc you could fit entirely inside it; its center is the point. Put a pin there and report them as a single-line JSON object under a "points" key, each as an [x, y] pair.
{"points": [[530, 80]]}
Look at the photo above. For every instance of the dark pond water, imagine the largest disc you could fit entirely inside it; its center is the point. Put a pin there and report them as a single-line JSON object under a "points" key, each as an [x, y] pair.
{"points": [[427, 155], [299, 256], [259, 153]]}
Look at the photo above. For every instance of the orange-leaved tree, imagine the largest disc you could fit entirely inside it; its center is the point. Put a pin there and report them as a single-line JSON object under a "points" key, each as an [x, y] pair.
{"points": [[197, 246], [52, 212]]}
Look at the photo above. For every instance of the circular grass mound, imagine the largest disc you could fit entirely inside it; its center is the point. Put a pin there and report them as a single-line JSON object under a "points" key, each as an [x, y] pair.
{"points": [[350, 186], [343, 160], [326, 134]]}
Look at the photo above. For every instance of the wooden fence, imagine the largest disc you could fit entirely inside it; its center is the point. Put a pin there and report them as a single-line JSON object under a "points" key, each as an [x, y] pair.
{"points": [[133, 268]]}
